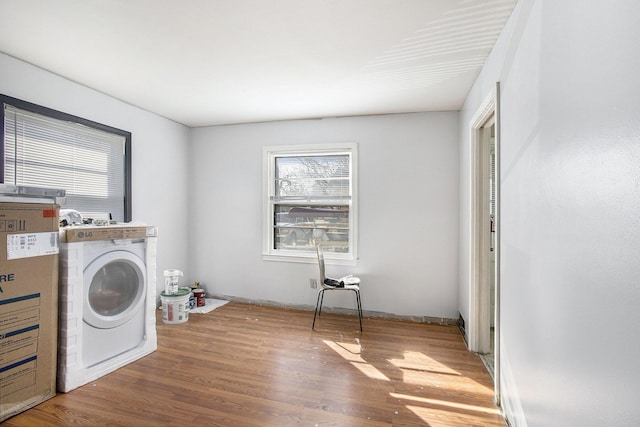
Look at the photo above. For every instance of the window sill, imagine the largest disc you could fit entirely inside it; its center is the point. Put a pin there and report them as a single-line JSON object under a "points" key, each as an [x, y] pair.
{"points": [[310, 258]]}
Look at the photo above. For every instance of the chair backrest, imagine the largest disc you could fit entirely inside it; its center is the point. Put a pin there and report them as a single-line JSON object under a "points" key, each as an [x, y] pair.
{"points": [[321, 263]]}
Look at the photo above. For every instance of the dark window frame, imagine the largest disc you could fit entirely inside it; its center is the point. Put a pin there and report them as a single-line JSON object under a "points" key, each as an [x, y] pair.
{"points": [[59, 115]]}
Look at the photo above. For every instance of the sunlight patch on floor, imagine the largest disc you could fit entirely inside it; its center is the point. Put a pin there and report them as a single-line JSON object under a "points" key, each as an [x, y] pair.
{"points": [[351, 353], [416, 361], [445, 403], [418, 368]]}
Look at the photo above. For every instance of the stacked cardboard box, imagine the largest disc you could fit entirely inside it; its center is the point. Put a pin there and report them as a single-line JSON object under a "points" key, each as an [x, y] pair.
{"points": [[28, 304]]}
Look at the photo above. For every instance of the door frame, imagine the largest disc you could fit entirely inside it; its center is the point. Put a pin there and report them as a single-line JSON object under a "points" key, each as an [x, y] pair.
{"points": [[480, 286]]}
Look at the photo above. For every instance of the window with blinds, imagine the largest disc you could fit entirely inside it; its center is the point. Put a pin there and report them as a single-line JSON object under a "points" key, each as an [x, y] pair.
{"points": [[47, 148], [310, 200]]}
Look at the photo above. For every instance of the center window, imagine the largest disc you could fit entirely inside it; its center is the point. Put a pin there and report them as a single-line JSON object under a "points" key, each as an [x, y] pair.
{"points": [[310, 200]]}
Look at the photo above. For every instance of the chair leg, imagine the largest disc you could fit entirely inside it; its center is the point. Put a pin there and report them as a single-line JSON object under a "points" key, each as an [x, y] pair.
{"points": [[318, 304], [359, 304], [321, 302]]}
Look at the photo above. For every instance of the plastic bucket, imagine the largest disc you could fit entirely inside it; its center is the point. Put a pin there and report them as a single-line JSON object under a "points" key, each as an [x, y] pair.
{"points": [[175, 307], [171, 280]]}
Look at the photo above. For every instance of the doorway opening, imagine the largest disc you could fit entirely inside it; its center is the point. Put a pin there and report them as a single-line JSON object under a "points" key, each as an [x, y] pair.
{"points": [[485, 278], [488, 142]]}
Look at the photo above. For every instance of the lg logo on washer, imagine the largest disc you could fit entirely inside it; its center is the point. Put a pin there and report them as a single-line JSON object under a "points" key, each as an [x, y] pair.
{"points": [[82, 234], [9, 277]]}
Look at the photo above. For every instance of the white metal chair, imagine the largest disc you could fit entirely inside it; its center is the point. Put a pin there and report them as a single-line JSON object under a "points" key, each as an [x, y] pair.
{"points": [[347, 283]]}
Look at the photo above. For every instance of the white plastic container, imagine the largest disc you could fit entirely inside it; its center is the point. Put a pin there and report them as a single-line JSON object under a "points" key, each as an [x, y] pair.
{"points": [[172, 281], [175, 307]]}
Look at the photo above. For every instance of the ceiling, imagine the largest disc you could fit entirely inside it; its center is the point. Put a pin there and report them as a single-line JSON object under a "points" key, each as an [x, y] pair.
{"points": [[212, 62]]}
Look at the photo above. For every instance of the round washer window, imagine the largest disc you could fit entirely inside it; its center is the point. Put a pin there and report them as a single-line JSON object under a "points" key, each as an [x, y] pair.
{"points": [[113, 288]]}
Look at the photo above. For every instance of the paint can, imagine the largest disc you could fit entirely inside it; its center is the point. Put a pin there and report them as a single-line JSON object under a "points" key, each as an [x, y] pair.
{"points": [[200, 297], [175, 307]]}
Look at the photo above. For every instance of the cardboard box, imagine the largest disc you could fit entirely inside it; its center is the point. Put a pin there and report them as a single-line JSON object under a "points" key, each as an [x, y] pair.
{"points": [[28, 304], [108, 232]]}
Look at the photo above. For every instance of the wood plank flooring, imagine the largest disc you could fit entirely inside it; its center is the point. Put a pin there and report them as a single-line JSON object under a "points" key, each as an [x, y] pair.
{"points": [[249, 365]]}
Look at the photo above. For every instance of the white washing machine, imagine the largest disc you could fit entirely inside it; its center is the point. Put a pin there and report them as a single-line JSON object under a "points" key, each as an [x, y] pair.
{"points": [[107, 300]]}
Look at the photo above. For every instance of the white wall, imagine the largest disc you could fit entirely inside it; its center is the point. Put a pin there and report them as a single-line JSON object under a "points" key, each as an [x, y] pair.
{"points": [[159, 150], [408, 212], [570, 211]]}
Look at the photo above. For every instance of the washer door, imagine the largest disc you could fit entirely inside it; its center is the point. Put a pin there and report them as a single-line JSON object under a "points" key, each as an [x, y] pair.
{"points": [[114, 289]]}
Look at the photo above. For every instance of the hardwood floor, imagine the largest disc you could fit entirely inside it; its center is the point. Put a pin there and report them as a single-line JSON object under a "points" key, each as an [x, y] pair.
{"points": [[248, 365]]}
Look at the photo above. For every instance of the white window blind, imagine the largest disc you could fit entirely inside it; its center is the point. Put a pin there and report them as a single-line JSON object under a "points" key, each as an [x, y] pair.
{"points": [[88, 163], [313, 178]]}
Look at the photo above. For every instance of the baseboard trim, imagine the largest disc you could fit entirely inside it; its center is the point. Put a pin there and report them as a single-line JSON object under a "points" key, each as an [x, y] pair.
{"points": [[366, 313]]}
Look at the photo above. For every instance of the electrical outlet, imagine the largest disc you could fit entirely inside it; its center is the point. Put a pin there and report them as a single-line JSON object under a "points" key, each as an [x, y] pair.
{"points": [[313, 283]]}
